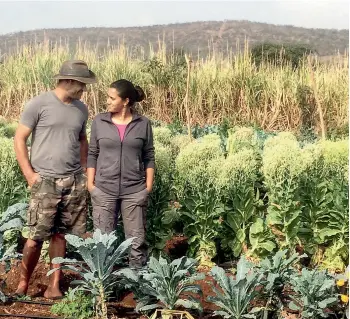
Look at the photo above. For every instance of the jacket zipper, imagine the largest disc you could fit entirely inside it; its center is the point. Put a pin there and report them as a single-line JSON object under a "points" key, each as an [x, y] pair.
{"points": [[120, 166], [121, 155]]}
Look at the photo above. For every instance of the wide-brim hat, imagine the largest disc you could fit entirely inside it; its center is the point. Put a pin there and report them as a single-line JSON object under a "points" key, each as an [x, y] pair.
{"points": [[76, 70]]}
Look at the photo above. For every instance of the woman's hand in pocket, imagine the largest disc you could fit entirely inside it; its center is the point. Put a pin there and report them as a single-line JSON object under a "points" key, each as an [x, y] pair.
{"points": [[90, 179]]}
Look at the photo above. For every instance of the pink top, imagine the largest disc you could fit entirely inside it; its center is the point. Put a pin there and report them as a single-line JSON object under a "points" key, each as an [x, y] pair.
{"points": [[121, 130]]}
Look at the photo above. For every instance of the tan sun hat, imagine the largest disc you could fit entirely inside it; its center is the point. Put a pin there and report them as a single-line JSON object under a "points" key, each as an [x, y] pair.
{"points": [[76, 70]]}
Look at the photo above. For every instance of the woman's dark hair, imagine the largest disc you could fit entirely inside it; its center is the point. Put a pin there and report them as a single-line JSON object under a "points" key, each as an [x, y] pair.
{"points": [[127, 90]]}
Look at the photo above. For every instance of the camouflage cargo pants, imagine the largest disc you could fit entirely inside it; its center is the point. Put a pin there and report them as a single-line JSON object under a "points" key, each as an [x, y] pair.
{"points": [[57, 205]]}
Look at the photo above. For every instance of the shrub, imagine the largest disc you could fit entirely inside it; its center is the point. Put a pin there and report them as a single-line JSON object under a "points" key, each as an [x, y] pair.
{"points": [[159, 199], [179, 142], [192, 162], [280, 54], [325, 204], [13, 187], [74, 305], [283, 169], [235, 179], [8, 129], [162, 135]]}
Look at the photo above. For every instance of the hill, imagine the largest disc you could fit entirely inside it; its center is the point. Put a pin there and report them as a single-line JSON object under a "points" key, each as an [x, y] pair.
{"points": [[195, 37]]}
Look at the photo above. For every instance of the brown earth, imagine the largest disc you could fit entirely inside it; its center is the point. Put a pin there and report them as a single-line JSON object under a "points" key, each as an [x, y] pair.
{"points": [[177, 246], [39, 282], [123, 308]]}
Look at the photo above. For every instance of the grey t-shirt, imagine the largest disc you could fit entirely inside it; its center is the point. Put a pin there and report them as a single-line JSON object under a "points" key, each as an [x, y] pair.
{"points": [[55, 148]]}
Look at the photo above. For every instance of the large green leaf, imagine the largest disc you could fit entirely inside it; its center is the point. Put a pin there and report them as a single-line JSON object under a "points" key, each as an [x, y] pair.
{"points": [[220, 276], [68, 267], [243, 267], [268, 245], [127, 273], [234, 221], [166, 282], [293, 306], [236, 247], [327, 302], [235, 295], [11, 224], [328, 233], [120, 253], [241, 235], [257, 226]]}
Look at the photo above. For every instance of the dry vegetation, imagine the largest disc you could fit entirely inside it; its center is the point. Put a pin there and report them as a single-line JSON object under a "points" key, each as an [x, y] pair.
{"points": [[232, 87]]}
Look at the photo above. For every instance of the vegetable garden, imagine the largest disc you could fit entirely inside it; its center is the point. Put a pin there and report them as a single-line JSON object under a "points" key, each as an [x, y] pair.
{"points": [[241, 224]]}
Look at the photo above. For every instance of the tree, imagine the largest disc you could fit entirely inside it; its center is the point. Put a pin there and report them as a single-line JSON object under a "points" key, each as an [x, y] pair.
{"points": [[279, 54]]}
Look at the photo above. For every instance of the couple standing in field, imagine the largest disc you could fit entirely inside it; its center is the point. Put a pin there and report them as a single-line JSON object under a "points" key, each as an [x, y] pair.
{"points": [[117, 168]]}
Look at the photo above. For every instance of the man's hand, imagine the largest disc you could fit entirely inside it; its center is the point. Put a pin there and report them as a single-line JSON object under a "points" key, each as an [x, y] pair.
{"points": [[21, 136], [32, 179], [90, 187]]}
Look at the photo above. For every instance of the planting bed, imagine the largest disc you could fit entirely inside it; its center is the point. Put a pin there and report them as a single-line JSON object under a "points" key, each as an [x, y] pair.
{"points": [[123, 308], [39, 282]]}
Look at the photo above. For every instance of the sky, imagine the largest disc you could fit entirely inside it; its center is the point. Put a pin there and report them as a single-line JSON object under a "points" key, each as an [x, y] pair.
{"points": [[32, 15]]}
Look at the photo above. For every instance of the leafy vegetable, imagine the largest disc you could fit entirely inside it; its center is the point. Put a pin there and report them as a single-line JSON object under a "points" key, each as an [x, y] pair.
{"points": [[100, 255], [235, 295], [315, 293]]}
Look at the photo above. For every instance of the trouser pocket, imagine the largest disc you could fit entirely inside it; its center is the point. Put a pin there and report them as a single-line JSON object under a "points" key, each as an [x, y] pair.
{"points": [[32, 213], [105, 214]]}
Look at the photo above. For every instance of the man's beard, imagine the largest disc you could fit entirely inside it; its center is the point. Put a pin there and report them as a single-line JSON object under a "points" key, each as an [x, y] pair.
{"points": [[76, 95]]}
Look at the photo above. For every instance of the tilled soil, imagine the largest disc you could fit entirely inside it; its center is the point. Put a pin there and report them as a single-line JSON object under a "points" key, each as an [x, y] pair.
{"points": [[38, 285], [123, 308], [177, 246]]}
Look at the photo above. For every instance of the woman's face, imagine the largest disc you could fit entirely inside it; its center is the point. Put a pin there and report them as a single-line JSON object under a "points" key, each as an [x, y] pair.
{"points": [[114, 102]]}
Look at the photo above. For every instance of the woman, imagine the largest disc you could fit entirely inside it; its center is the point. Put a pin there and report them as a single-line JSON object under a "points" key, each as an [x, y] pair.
{"points": [[120, 167]]}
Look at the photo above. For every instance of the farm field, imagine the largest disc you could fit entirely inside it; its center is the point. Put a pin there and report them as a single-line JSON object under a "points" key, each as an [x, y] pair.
{"points": [[249, 215]]}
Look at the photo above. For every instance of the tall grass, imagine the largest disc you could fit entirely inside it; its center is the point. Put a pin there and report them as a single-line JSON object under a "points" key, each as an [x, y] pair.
{"points": [[271, 97]]}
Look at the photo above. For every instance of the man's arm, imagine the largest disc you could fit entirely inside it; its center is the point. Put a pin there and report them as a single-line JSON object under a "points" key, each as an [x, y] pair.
{"points": [[20, 139], [84, 147]]}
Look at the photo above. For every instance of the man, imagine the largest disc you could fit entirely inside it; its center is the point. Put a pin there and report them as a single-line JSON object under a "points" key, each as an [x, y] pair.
{"points": [[56, 170]]}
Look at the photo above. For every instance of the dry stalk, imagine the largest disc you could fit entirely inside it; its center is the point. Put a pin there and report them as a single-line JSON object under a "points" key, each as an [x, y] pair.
{"points": [[189, 63], [318, 103]]}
